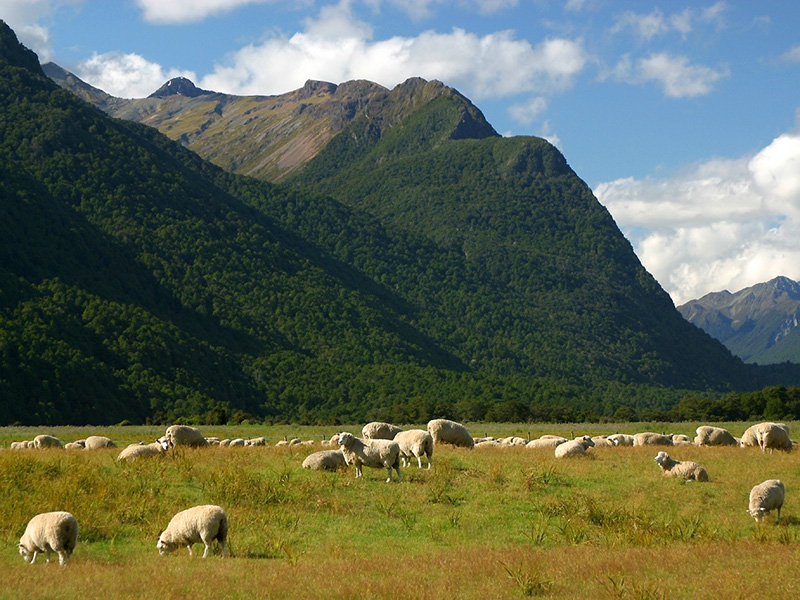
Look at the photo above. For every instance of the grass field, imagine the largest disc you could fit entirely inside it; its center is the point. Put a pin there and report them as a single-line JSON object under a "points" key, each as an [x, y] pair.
{"points": [[485, 523]]}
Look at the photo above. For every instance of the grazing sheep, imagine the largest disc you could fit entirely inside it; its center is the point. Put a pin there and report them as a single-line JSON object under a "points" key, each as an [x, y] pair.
{"points": [[648, 438], [708, 435], [199, 524], [576, 447], [380, 431], [766, 496], [325, 460], [137, 451], [49, 532], [772, 436], [46, 441], [621, 439], [546, 441], [372, 453], [184, 435], [258, 441], [93, 442], [686, 470], [415, 443], [445, 431]]}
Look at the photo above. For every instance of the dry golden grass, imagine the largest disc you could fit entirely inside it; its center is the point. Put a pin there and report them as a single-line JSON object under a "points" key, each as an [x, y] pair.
{"points": [[487, 523]]}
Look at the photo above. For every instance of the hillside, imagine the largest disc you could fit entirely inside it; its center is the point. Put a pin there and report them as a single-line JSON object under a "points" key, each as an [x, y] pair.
{"points": [[417, 265], [760, 324]]}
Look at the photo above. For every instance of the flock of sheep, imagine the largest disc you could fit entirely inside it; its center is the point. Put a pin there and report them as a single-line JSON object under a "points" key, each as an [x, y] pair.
{"points": [[383, 445]]}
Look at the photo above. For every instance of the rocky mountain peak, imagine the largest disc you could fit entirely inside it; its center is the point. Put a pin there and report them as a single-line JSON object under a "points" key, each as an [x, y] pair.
{"points": [[179, 86]]}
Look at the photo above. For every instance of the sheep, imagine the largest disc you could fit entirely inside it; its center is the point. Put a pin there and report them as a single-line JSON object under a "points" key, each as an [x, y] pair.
{"points": [[137, 451], [199, 524], [380, 431], [764, 497], [373, 453], [603, 440], [18, 445], [576, 447], [415, 443], [546, 441], [708, 435], [772, 436], [258, 441], [325, 460], [237, 442], [93, 442], [681, 440], [686, 470], [184, 435], [46, 441], [74, 446], [49, 532], [648, 438], [487, 443], [445, 431], [621, 439], [513, 441]]}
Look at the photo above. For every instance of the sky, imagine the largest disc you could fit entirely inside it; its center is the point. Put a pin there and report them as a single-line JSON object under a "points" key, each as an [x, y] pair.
{"points": [[683, 117]]}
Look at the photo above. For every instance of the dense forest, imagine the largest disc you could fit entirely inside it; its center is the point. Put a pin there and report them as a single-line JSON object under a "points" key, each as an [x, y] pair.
{"points": [[476, 279]]}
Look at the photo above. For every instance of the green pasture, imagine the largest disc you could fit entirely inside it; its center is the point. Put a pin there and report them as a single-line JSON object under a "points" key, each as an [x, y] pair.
{"points": [[483, 523]]}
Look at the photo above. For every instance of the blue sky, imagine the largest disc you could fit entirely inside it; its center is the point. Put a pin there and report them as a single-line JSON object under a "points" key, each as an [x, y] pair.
{"points": [[681, 116]]}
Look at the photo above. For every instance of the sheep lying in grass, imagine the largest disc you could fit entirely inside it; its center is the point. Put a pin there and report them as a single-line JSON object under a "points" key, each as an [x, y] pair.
{"points": [[678, 439], [603, 440], [621, 439], [137, 451], [258, 441], [576, 447], [686, 470], [766, 496], [325, 460], [93, 442], [767, 436], [380, 431], [184, 435], [46, 441], [708, 435], [372, 453], [199, 524], [49, 532], [648, 438], [546, 441], [445, 431], [79, 445], [415, 443]]}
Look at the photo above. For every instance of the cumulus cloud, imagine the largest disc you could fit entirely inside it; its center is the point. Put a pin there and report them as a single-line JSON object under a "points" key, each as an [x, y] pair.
{"points": [[527, 112], [126, 75], [25, 16], [337, 47], [677, 77], [724, 224], [188, 11], [792, 55], [653, 24]]}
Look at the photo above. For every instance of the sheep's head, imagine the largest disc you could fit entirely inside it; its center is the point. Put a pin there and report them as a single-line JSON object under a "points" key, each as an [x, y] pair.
{"points": [[25, 553], [661, 458], [165, 547], [344, 438], [757, 513]]}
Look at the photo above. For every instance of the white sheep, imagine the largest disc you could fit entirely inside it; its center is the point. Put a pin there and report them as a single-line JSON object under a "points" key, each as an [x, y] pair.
{"points": [[46, 441], [257, 441], [49, 532], [708, 435], [648, 438], [93, 442], [445, 431], [372, 453], [686, 470], [415, 443], [513, 440], [603, 440], [621, 439], [237, 442], [380, 431], [766, 496], [199, 524], [325, 460], [74, 446], [137, 451], [576, 447], [184, 435], [767, 436], [679, 439], [546, 441]]}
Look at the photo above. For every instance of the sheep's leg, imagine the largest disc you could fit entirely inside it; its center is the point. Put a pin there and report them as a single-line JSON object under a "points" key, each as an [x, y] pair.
{"points": [[223, 552], [397, 468], [47, 551], [189, 548], [779, 515], [389, 469], [430, 462], [33, 558], [62, 557], [205, 552], [419, 461]]}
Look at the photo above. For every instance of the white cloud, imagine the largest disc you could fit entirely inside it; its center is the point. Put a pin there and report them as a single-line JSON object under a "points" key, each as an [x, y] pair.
{"points": [[188, 11], [527, 112], [126, 75], [337, 47], [651, 25], [724, 224], [677, 77], [792, 55], [25, 16]]}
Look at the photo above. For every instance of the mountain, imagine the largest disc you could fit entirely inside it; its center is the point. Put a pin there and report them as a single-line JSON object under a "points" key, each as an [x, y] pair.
{"points": [[414, 264], [760, 324]]}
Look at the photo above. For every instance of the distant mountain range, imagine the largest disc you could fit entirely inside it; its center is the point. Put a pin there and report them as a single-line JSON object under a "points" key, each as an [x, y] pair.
{"points": [[759, 324], [408, 263]]}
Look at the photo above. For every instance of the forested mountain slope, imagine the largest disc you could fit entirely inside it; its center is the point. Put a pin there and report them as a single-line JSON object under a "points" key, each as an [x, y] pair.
{"points": [[453, 273]]}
